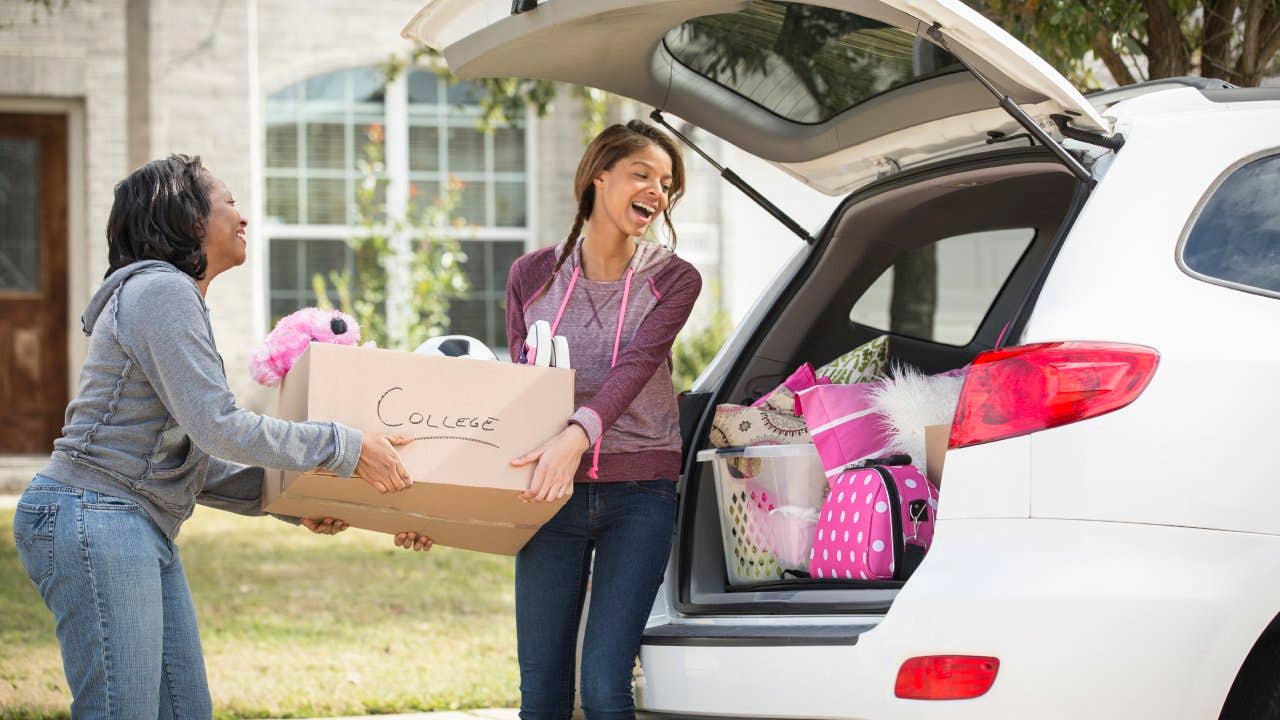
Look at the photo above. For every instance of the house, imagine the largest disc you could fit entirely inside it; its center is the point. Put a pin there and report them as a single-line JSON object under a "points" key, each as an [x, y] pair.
{"points": [[277, 97]]}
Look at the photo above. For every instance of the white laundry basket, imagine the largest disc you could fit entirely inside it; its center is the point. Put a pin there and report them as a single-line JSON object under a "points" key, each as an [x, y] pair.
{"points": [[765, 503]]}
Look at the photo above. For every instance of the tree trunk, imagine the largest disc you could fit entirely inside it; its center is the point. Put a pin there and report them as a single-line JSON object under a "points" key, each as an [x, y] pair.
{"points": [[915, 293], [1219, 26], [1107, 53], [1260, 44], [1167, 54]]}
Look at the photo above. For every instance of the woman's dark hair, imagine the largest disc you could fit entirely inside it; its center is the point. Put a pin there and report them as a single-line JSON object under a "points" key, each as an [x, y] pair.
{"points": [[159, 213], [613, 144]]}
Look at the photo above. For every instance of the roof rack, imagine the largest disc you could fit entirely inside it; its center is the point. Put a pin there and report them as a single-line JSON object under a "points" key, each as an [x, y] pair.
{"points": [[1103, 99]]}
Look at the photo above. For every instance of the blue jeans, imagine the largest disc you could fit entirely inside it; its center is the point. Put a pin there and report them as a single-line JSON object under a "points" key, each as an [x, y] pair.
{"points": [[629, 525], [125, 622]]}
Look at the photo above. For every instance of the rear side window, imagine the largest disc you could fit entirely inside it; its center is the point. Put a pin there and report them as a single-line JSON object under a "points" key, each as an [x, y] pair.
{"points": [[803, 62], [1236, 237], [942, 291]]}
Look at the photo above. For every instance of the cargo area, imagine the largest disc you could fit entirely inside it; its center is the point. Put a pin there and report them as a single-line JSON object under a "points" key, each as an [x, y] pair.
{"points": [[971, 241]]}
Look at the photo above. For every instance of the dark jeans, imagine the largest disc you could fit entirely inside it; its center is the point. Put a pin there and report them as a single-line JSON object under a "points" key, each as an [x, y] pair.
{"points": [[629, 525]]}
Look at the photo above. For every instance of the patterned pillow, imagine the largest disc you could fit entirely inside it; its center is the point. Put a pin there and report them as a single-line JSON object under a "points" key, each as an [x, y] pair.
{"points": [[739, 426], [861, 364]]}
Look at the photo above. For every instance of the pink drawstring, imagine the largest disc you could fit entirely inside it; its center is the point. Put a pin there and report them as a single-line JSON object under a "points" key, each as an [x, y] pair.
{"points": [[565, 303], [594, 472]]}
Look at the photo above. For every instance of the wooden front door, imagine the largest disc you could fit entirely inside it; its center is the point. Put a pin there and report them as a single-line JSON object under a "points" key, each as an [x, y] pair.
{"points": [[33, 281]]}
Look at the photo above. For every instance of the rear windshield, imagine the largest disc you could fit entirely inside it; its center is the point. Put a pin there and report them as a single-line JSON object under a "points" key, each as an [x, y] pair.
{"points": [[943, 291], [805, 63]]}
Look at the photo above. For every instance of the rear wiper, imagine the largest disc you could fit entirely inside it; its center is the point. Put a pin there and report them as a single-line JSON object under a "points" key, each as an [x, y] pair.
{"points": [[732, 178]]}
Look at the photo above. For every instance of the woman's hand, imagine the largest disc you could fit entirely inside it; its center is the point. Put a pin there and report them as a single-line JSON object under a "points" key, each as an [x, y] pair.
{"points": [[379, 463], [324, 526], [558, 461], [413, 541]]}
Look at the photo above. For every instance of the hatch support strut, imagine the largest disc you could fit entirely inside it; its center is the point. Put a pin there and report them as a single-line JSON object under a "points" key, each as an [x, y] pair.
{"points": [[1017, 113], [733, 179]]}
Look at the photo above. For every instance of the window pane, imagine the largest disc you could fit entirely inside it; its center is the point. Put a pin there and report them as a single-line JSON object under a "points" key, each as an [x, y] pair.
{"points": [[508, 150], [505, 253], [364, 135], [468, 317], [19, 214], [325, 146], [367, 85], [942, 291], [282, 145], [323, 257], [476, 266], [281, 306], [466, 150], [1237, 236], [326, 202], [376, 205], [294, 264], [284, 263], [509, 199], [285, 96], [463, 93], [424, 87], [330, 87], [802, 62], [282, 200], [422, 194], [424, 149], [470, 206]]}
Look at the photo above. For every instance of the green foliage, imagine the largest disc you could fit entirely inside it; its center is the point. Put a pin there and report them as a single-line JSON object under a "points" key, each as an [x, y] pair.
{"points": [[507, 99], [435, 268], [1235, 40], [695, 348]]}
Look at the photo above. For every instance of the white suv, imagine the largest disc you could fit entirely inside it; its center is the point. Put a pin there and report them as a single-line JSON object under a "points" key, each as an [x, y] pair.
{"points": [[1107, 542]]}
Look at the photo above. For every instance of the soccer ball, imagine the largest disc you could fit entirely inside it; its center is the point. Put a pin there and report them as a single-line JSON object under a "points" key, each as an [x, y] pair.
{"points": [[457, 346]]}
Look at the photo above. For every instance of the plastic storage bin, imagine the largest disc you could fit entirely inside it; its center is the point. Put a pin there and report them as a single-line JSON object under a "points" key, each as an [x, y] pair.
{"points": [[769, 498]]}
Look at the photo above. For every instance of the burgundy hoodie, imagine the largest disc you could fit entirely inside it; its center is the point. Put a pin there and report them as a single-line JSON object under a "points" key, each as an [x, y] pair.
{"points": [[620, 335]]}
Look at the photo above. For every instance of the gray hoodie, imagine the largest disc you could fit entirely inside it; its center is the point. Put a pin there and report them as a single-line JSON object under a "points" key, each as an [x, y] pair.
{"points": [[154, 420]]}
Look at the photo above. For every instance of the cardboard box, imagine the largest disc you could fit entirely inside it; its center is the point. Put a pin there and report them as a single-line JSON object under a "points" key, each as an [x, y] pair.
{"points": [[936, 438], [470, 418]]}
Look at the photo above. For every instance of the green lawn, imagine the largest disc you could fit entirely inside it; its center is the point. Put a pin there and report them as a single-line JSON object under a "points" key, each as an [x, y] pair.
{"points": [[299, 625]]}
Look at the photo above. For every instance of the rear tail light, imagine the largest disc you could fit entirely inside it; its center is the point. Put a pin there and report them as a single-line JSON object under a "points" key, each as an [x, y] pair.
{"points": [[946, 677], [1019, 390]]}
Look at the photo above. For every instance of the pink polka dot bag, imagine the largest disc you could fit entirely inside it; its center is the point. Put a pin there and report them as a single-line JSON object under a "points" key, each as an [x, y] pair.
{"points": [[876, 523]]}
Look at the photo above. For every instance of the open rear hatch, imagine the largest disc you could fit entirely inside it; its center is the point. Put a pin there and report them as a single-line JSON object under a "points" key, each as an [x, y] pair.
{"points": [[835, 92]]}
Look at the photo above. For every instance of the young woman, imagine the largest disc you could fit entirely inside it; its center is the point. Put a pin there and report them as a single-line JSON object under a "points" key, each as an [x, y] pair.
{"points": [[153, 430], [619, 303]]}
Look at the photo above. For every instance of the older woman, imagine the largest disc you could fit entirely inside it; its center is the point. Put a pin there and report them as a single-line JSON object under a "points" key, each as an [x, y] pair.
{"points": [[154, 430]]}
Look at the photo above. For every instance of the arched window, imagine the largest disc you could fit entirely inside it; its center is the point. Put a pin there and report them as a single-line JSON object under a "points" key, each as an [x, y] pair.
{"points": [[316, 131]]}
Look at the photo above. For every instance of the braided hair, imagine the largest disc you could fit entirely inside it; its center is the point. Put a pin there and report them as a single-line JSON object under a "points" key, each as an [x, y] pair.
{"points": [[613, 144]]}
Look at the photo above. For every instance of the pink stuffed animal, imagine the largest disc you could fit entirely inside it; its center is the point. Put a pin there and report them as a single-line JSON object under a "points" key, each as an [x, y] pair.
{"points": [[273, 359]]}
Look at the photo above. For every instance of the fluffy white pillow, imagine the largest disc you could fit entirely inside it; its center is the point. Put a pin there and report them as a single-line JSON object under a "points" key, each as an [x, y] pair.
{"points": [[908, 400]]}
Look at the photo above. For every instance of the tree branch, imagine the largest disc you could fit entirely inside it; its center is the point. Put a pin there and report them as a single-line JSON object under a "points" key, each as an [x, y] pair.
{"points": [[1216, 38], [1107, 53], [1167, 54], [1246, 65]]}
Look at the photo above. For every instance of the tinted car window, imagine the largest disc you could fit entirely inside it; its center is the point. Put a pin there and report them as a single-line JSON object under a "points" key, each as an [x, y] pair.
{"points": [[803, 62], [1236, 238], [942, 291]]}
